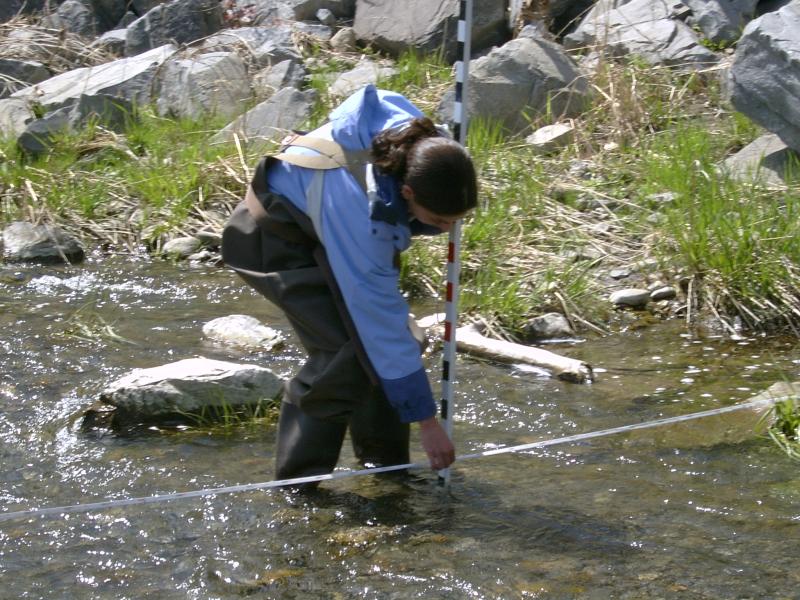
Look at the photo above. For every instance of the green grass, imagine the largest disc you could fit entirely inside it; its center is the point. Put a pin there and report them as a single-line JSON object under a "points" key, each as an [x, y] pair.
{"points": [[785, 429]]}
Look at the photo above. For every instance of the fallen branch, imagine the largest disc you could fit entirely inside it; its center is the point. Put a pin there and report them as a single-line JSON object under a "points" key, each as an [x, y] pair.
{"points": [[470, 340]]}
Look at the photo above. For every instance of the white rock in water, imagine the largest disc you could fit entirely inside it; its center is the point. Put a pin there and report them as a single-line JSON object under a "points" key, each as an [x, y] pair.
{"points": [[189, 387], [243, 330], [634, 297]]}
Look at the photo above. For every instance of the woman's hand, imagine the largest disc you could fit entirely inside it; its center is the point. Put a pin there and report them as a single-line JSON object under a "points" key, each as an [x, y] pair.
{"points": [[437, 445]]}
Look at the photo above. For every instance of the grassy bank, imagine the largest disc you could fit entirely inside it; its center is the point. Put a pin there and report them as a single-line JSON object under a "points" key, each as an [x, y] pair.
{"points": [[549, 228]]}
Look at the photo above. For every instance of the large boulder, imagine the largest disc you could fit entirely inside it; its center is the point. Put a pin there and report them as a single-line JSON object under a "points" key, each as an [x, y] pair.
{"points": [[128, 78], [522, 79], [195, 387], [26, 242], [271, 120], [765, 75], [721, 21], [209, 84], [427, 25], [178, 21], [650, 30]]}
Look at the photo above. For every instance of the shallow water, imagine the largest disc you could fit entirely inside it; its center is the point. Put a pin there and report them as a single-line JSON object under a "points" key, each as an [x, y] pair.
{"points": [[700, 510]]}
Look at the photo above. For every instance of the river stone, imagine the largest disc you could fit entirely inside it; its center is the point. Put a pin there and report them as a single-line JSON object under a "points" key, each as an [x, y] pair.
{"points": [[665, 292], [548, 326], [26, 242], [243, 330], [193, 386], [633, 297], [181, 247], [765, 74]]}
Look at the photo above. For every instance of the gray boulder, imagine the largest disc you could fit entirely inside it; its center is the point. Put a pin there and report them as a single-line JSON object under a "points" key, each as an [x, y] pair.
{"points": [[295, 10], [77, 17], [765, 75], [427, 25], [265, 45], [112, 113], [16, 74], [270, 80], [26, 242], [209, 84], [364, 73], [15, 114], [197, 387], [112, 41], [128, 78], [271, 120], [721, 21], [645, 28], [178, 21], [522, 78], [766, 160]]}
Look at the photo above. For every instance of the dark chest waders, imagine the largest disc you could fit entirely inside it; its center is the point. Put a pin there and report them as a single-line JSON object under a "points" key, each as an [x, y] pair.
{"points": [[276, 249]]}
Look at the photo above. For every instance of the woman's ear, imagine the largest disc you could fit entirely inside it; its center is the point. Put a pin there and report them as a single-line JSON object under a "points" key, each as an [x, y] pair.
{"points": [[407, 193]]}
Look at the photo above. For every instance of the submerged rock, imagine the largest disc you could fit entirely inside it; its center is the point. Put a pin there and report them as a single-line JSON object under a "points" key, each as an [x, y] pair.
{"points": [[243, 330]]}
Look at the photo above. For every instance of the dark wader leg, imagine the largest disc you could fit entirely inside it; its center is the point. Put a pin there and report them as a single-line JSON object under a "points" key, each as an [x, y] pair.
{"points": [[333, 388]]}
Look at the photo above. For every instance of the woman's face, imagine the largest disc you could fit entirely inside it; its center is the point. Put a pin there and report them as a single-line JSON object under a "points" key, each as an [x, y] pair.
{"points": [[422, 214]]}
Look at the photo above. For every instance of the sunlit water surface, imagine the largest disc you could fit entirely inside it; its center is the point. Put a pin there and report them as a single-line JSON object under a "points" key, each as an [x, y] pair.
{"points": [[689, 512]]}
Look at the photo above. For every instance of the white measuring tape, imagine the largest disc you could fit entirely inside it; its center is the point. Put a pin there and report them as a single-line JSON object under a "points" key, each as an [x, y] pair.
{"points": [[248, 487]]}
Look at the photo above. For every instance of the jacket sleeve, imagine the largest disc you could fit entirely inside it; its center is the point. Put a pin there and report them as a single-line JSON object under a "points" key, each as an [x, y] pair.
{"points": [[362, 256]]}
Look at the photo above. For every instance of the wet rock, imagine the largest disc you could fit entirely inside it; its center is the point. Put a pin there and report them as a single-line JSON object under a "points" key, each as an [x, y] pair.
{"points": [[195, 386], [632, 297], [181, 247], [26, 242], [243, 330], [548, 326]]}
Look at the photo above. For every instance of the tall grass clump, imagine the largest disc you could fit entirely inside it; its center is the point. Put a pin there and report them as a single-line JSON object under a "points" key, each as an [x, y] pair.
{"points": [[739, 241]]}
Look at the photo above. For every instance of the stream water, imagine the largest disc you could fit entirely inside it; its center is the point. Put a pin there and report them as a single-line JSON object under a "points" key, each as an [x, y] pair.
{"points": [[701, 510]]}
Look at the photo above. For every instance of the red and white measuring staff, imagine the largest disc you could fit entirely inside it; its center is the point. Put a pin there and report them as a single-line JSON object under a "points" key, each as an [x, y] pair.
{"points": [[454, 242]]}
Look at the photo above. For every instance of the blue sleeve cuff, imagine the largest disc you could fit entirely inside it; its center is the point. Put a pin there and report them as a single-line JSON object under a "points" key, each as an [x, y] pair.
{"points": [[410, 396]]}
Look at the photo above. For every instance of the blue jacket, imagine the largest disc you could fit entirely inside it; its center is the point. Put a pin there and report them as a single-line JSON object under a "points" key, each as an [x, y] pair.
{"points": [[361, 239]]}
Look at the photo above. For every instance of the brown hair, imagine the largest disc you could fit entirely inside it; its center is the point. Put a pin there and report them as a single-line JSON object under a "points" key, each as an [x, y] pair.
{"points": [[438, 169]]}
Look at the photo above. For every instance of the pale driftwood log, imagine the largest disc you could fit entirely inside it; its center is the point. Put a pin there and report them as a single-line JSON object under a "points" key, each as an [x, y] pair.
{"points": [[470, 340]]}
